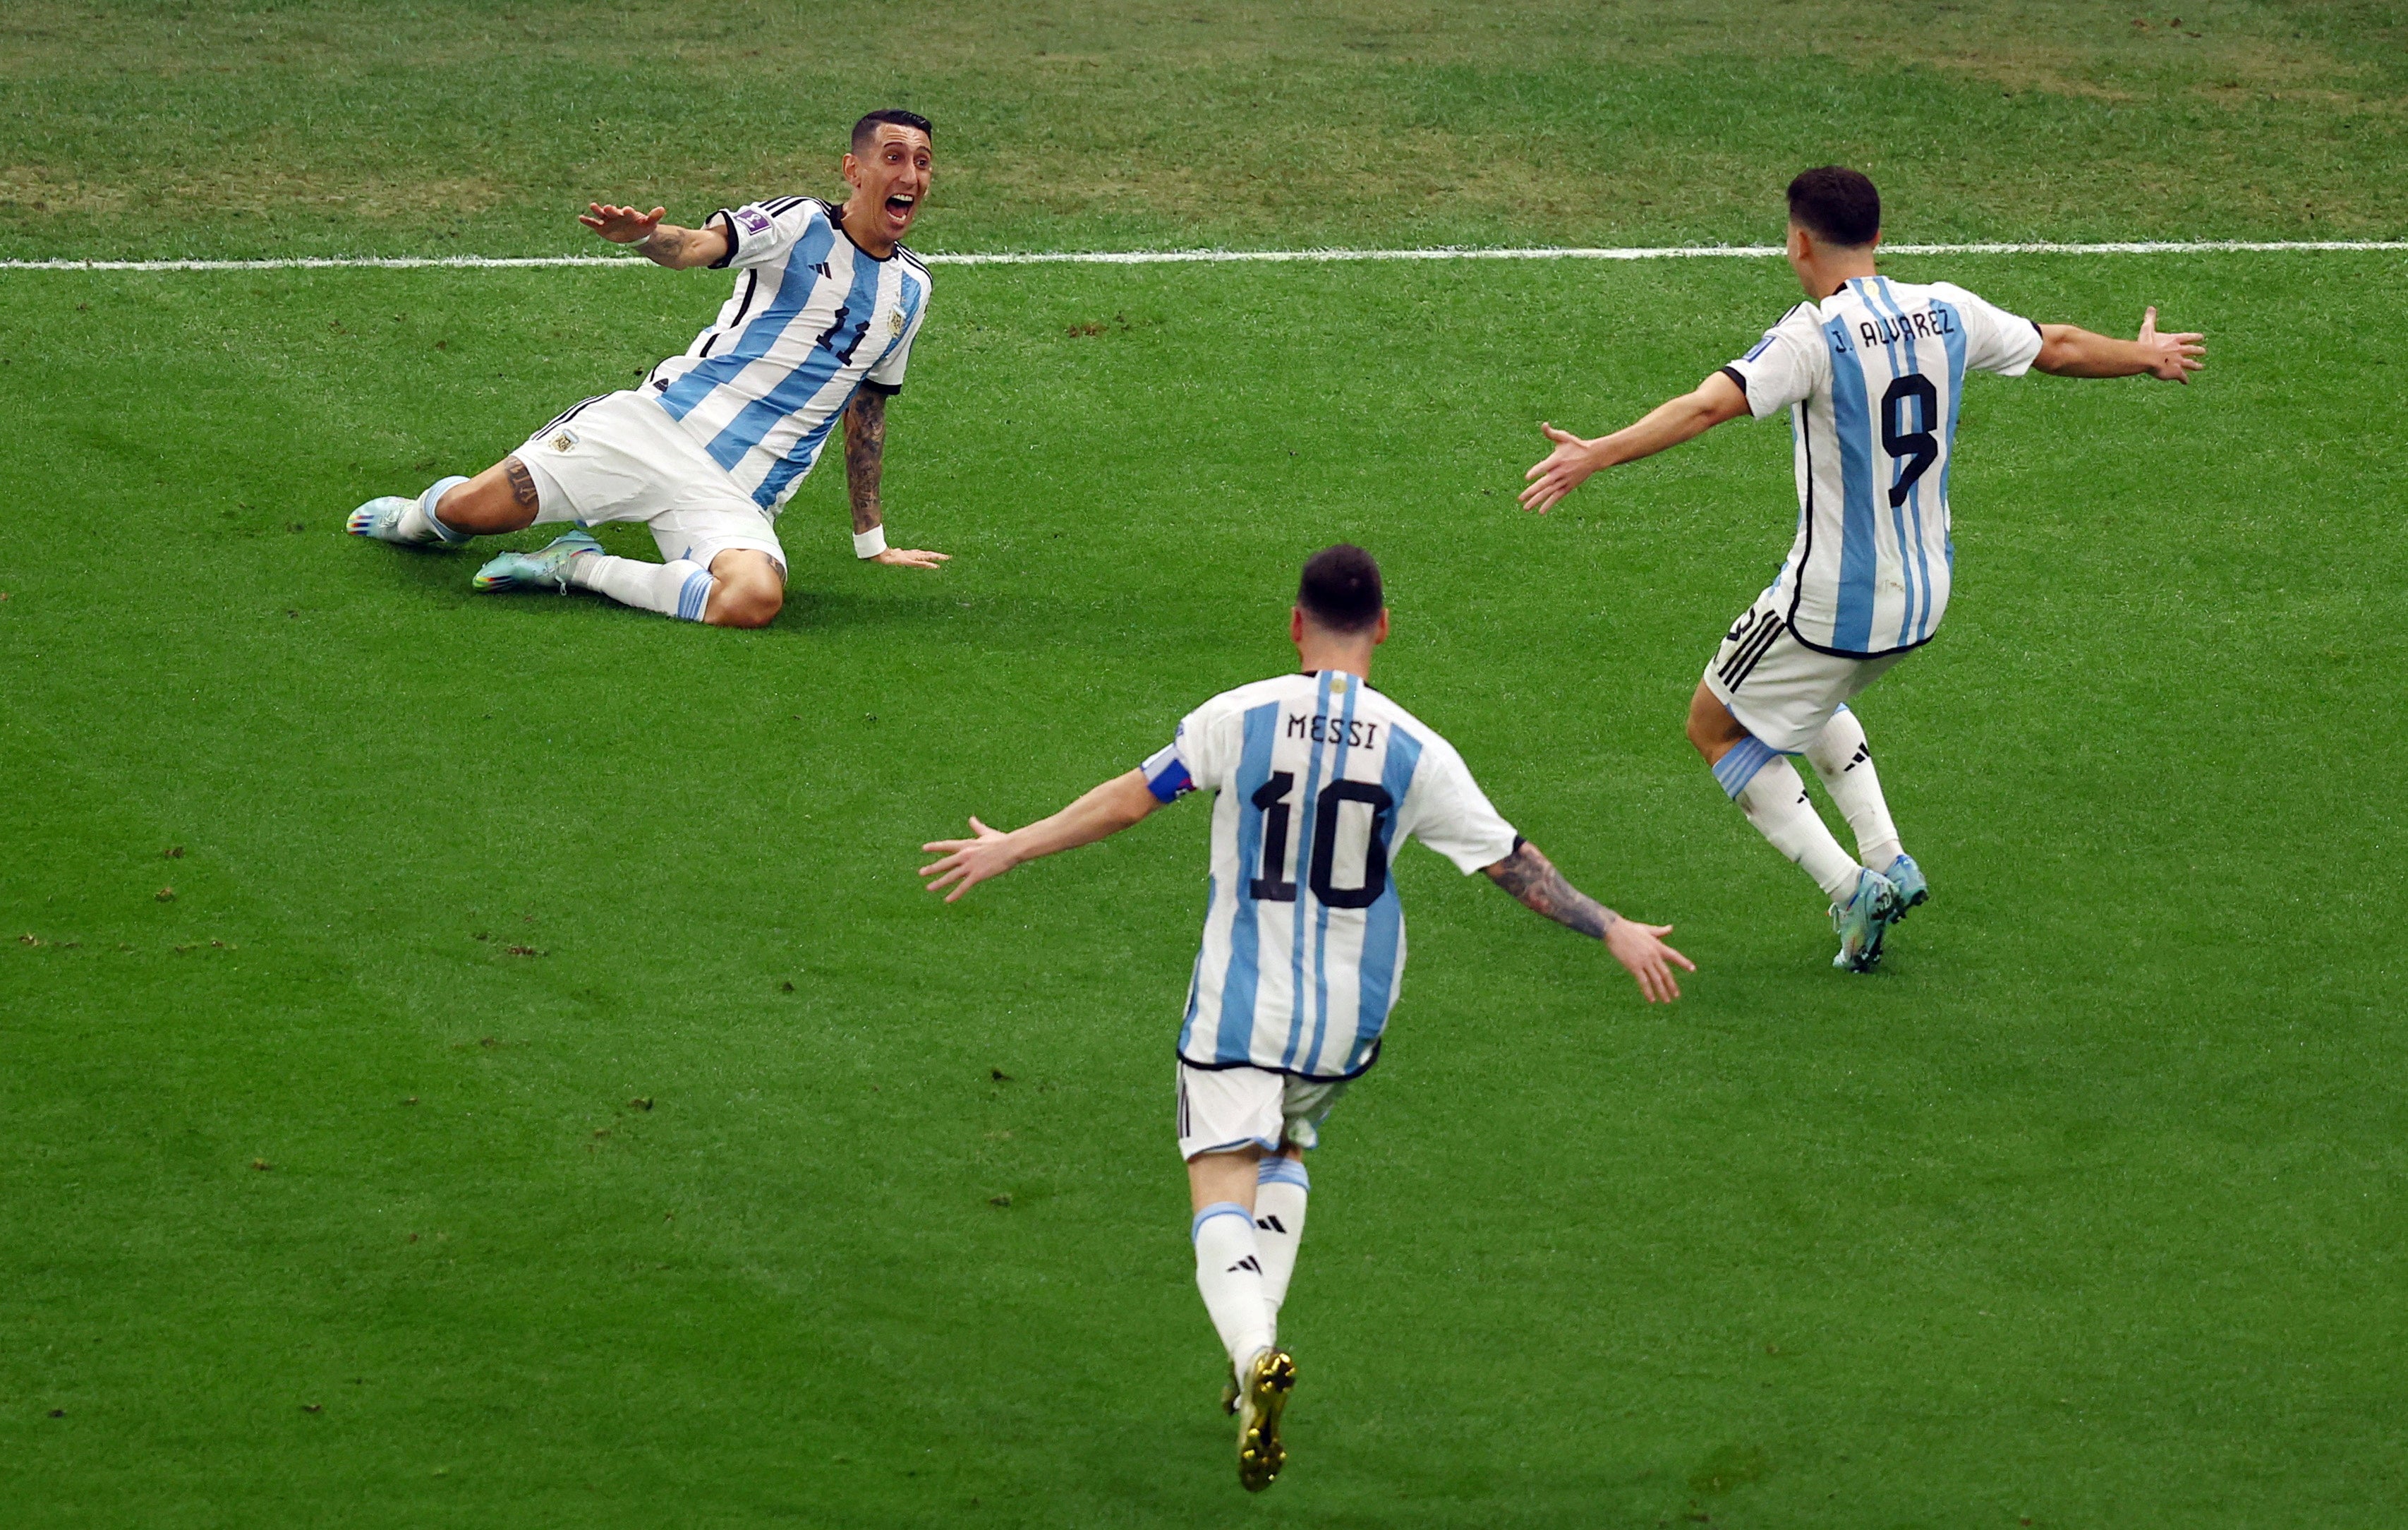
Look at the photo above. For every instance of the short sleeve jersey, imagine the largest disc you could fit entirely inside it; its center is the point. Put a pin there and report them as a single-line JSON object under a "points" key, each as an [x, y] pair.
{"points": [[1318, 780], [813, 319], [1870, 377]]}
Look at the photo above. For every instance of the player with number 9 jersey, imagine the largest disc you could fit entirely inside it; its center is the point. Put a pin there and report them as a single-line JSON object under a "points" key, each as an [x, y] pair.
{"points": [[1870, 378], [1870, 373]]}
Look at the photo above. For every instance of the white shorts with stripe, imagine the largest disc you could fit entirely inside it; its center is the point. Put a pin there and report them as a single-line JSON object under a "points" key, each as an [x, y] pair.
{"points": [[620, 457], [1782, 691], [1221, 1110]]}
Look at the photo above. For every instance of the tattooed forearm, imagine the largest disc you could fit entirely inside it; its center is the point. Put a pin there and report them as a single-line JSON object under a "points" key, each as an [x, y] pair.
{"points": [[865, 455], [667, 244], [1533, 879], [521, 483]]}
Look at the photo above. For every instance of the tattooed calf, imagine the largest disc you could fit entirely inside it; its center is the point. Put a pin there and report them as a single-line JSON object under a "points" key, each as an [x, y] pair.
{"points": [[521, 483]]}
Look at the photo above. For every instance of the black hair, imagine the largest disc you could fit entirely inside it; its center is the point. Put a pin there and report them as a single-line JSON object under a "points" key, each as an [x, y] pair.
{"points": [[866, 129], [1837, 204], [1340, 588]]}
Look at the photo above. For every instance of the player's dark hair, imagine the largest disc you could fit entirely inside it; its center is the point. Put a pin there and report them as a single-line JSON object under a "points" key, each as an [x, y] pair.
{"points": [[1340, 588], [1836, 204], [866, 129]]}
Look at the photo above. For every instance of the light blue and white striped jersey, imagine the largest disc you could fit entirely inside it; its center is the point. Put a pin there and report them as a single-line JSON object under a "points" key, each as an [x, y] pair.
{"points": [[811, 319], [1872, 376], [1319, 780]]}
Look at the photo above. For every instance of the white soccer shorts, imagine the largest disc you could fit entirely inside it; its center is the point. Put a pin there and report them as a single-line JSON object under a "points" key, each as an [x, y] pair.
{"points": [[1223, 1109], [620, 457], [1781, 690]]}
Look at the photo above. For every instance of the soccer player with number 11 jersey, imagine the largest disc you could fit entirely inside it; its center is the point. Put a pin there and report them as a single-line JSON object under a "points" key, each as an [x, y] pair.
{"points": [[1317, 780], [1869, 373]]}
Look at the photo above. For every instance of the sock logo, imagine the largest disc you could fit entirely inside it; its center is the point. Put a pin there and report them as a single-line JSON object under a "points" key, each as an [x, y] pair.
{"points": [[1270, 1224], [1245, 1263], [1864, 757]]}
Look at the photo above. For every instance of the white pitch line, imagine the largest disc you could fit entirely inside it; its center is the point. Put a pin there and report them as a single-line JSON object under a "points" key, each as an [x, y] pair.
{"points": [[1190, 257]]}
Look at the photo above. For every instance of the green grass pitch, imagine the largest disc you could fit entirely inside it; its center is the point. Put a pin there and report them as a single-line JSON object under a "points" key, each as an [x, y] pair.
{"points": [[548, 1098]]}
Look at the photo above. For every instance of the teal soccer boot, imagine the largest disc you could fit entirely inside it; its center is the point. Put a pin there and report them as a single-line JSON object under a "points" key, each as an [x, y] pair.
{"points": [[1862, 920], [381, 518], [545, 567], [1907, 877]]}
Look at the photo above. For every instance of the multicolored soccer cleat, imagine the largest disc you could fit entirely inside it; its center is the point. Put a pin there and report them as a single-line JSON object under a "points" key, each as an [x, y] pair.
{"points": [[1260, 1454], [545, 567], [1862, 920], [381, 518], [1907, 877]]}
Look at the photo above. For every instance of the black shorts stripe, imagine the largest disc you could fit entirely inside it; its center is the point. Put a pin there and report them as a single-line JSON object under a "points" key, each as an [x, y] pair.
{"points": [[1744, 660], [573, 412], [1757, 658]]}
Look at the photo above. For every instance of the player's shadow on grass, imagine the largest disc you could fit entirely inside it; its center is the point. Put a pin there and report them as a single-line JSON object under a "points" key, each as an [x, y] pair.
{"points": [[1007, 620]]}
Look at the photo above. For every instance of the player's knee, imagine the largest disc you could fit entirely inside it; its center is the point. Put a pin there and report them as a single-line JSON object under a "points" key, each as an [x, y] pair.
{"points": [[1703, 736], [745, 603]]}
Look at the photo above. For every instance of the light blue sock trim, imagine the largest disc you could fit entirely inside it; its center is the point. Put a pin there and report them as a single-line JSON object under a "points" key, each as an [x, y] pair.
{"points": [[694, 595], [1739, 765], [426, 506], [1218, 1208], [1283, 1170]]}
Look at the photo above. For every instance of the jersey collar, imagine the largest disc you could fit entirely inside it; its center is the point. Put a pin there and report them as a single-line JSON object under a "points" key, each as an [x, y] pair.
{"points": [[836, 216]]}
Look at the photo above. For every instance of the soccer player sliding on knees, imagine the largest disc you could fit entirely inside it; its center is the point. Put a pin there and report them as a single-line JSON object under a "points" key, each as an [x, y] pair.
{"points": [[707, 450], [1317, 779], [1869, 371]]}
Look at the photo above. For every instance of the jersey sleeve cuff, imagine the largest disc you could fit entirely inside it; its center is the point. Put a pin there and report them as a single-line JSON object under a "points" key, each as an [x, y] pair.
{"points": [[726, 220], [1740, 378]]}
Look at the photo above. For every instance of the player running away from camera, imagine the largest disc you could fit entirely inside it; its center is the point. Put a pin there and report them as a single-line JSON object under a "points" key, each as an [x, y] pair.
{"points": [[827, 304], [1869, 371], [1317, 781]]}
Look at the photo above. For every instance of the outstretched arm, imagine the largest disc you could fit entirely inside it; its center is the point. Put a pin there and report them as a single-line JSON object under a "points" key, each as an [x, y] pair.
{"points": [[1533, 879], [664, 244], [865, 463], [2069, 351], [1100, 814], [1668, 425]]}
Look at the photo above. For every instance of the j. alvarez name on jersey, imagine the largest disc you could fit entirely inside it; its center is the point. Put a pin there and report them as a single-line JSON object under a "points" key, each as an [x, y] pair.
{"points": [[1922, 323]]}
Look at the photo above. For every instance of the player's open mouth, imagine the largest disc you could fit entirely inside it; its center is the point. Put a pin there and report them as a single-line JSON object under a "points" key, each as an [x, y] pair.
{"points": [[900, 207]]}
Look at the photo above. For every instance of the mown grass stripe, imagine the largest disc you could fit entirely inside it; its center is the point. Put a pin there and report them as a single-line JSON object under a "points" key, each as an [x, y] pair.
{"points": [[1179, 257]]}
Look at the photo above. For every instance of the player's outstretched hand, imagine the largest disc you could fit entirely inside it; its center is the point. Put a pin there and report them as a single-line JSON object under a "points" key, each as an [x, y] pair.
{"points": [[1640, 948], [1566, 469], [2172, 358], [621, 226], [913, 557], [968, 862]]}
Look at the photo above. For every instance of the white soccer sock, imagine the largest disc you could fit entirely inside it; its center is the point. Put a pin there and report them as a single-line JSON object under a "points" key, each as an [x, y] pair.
{"points": [[1846, 767], [1281, 1187], [1229, 1276], [681, 589], [418, 523], [1769, 792]]}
